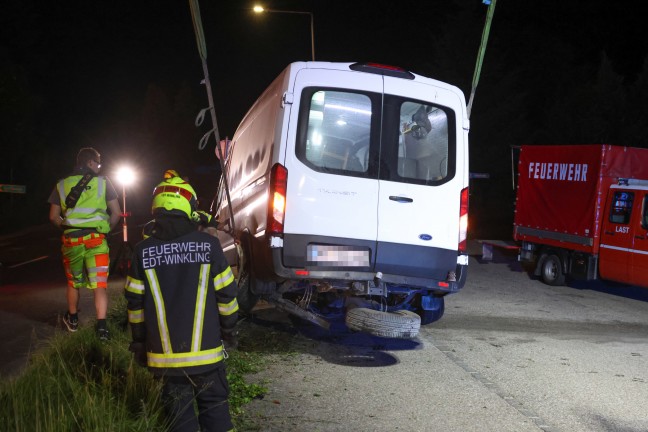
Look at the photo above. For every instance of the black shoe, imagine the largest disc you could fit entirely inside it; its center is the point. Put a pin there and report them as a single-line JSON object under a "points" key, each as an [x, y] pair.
{"points": [[103, 334], [72, 323]]}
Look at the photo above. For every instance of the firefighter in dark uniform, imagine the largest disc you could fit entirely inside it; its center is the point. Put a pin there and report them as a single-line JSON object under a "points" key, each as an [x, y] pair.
{"points": [[182, 305]]}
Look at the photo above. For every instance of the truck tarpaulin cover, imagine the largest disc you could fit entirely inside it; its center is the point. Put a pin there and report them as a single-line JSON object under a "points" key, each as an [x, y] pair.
{"points": [[562, 188]]}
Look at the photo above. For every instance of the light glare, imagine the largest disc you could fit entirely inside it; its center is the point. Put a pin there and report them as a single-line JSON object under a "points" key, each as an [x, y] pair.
{"points": [[125, 176]]}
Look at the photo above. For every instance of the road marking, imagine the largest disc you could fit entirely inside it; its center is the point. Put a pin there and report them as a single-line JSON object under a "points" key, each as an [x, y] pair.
{"points": [[493, 387], [30, 261]]}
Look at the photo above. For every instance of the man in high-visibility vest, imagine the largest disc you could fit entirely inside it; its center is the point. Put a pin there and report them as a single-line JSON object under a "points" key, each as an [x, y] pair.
{"points": [[182, 309], [85, 207]]}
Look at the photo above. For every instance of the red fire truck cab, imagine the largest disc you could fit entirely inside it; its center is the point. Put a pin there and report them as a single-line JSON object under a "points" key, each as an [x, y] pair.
{"points": [[582, 211]]}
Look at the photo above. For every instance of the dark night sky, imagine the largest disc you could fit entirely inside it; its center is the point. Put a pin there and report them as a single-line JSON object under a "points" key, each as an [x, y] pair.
{"points": [[124, 76]]}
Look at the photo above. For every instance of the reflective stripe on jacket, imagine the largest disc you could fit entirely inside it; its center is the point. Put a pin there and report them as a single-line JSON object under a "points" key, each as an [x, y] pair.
{"points": [[180, 294], [90, 209]]}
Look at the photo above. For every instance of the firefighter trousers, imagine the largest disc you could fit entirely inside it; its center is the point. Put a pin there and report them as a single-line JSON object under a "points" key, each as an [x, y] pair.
{"points": [[210, 391]]}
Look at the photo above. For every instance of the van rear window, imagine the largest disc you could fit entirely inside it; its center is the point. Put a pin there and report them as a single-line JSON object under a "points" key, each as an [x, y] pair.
{"points": [[337, 137], [422, 142], [387, 137]]}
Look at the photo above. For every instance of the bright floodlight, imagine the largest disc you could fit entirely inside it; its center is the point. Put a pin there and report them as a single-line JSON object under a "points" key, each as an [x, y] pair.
{"points": [[125, 176], [258, 9]]}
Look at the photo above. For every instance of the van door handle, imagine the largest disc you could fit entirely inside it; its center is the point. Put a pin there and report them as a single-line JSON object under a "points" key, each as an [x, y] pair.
{"points": [[609, 233], [640, 237], [400, 199]]}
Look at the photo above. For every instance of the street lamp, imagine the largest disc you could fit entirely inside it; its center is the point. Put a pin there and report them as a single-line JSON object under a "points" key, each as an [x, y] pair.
{"points": [[126, 177], [260, 9]]}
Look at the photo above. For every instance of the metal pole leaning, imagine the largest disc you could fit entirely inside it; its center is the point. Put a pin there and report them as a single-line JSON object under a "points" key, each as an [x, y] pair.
{"points": [[482, 52], [202, 50]]}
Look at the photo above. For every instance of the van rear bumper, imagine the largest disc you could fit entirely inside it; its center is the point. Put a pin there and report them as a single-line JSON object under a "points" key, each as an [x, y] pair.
{"points": [[294, 273]]}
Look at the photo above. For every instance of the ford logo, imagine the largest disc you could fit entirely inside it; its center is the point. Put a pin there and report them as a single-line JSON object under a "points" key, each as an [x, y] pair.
{"points": [[425, 237]]}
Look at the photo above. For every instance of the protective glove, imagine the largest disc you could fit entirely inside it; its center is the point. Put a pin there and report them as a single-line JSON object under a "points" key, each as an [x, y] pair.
{"points": [[203, 218], [230, 338], [139, 352]]}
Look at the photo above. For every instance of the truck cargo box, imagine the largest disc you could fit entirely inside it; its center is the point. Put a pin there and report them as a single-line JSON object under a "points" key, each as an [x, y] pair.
{"points": [[561, 191]]}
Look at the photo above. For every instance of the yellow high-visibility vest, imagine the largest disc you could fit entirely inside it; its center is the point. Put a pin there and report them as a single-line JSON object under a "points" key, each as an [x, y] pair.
{"points": [[90, 210]]}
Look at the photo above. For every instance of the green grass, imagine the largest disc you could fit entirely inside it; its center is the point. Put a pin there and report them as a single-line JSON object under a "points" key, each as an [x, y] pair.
{"points": [[78, 383]]}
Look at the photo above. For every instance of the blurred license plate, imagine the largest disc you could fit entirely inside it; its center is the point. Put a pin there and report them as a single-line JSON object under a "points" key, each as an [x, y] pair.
{"points": [[337, 256]]}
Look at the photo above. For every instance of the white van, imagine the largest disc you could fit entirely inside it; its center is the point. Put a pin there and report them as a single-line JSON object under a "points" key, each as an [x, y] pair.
{"points": [[349, 196]]}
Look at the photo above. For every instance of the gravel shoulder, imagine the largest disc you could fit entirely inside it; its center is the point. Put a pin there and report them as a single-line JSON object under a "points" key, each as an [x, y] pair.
{"points": [[363, 383], [510, 354]]}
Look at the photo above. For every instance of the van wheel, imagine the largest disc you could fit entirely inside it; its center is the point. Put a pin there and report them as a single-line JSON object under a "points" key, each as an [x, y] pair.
{"points": [[401, 324], [246, 297], [552, 273]]}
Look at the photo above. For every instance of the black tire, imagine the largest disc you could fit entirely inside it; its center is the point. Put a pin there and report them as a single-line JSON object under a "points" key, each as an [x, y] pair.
{"points": [[552, 272], [400, 324], [246, 296], [430, 316], [461, 273]]}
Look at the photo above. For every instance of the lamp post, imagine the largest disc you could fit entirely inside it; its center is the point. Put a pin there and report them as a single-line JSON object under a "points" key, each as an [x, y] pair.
{"points": [[260, 9], [125, 176]]}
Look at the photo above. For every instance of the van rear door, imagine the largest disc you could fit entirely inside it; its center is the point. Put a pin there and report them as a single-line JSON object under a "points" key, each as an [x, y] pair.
{"points": [[332, 190], [420, 185]]}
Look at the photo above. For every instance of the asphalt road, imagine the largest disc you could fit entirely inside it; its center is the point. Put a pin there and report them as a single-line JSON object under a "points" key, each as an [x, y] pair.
{"points": [[510, 354], [32, 293]]}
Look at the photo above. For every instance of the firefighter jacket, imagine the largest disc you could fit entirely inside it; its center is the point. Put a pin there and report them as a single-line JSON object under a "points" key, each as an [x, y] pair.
{"points": [[90, 209], [181, 292]]}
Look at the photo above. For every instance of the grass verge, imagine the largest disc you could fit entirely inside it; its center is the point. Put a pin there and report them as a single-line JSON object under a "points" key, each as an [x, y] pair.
{"points": [[78, 383]]}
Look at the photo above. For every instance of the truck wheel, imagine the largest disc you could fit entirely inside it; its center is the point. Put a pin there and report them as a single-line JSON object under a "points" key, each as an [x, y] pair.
{"points": [[552, 273], [400, 324]]}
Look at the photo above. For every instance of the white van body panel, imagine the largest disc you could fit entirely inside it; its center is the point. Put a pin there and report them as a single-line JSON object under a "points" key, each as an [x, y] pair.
{"points": [[318, 204], [250, 158], [404, 223]]}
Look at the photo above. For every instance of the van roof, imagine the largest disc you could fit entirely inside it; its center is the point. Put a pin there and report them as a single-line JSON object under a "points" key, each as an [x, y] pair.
{"points": [[366, 67]]}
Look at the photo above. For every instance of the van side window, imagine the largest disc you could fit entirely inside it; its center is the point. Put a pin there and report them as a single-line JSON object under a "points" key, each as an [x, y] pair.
{"points": [[621, 207], [338, 133]]}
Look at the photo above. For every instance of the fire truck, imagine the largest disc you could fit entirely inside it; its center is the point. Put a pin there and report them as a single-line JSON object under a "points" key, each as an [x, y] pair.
{"points": [[582, 211]]}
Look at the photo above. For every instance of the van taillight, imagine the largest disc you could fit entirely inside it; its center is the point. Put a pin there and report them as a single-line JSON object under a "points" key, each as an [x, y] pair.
{"points": [[463, 221], [277, 201]]}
